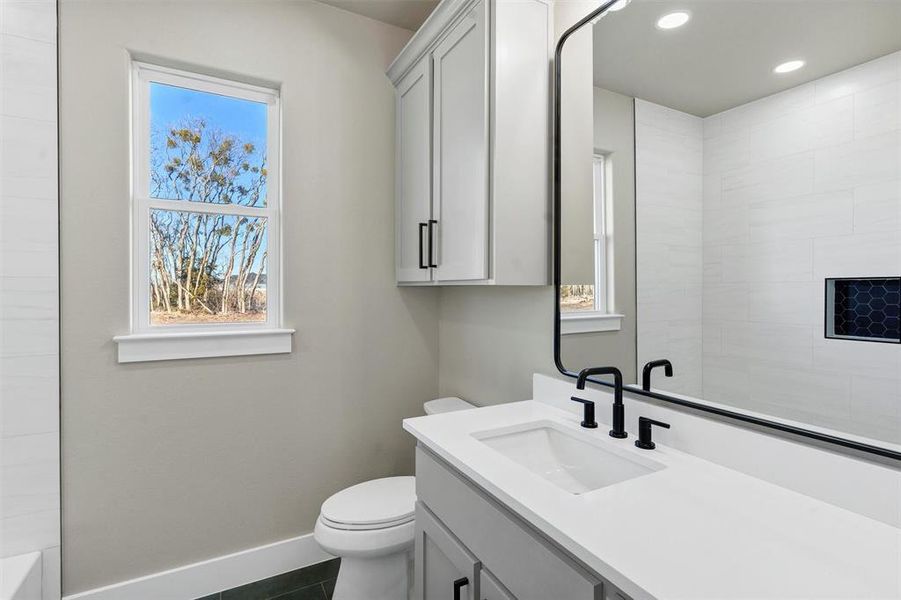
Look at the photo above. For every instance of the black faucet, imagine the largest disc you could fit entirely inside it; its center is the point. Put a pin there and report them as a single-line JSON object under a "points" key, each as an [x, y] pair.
{"points": [[588, 421], [646, 372], [644, 440], [619, 413]]}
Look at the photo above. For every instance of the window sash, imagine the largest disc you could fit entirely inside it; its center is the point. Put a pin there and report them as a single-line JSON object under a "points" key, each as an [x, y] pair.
{"points": [[603, 302], [141, 202]]}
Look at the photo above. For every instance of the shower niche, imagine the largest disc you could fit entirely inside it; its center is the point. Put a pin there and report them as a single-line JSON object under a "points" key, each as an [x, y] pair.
{"points": [[864, 309]]}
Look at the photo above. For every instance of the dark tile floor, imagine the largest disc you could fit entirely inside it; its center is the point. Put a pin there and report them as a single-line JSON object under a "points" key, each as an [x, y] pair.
{"points": [[316, 582]]}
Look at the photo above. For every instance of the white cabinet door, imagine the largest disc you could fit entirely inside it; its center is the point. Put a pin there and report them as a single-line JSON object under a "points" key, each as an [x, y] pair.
{"points": [[491, 589], [460, 163], [413, 177], [444, 569]]}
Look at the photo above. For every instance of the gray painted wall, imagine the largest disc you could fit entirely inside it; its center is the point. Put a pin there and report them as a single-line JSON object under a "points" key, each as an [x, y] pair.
{"points": [[614, 133], [173, 462], [491, 340]]}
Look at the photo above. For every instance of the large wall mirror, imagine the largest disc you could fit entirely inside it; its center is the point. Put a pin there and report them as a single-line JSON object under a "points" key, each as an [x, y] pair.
{"points": [[730, 201]]}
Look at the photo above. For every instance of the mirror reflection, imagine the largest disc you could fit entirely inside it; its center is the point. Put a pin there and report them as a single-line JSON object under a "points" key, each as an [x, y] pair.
{"points": [[731, 204]]}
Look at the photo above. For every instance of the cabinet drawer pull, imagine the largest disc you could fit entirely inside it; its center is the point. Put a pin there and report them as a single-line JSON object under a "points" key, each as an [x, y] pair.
{"points": [[432, 223], [422, 265], [459, 585]]}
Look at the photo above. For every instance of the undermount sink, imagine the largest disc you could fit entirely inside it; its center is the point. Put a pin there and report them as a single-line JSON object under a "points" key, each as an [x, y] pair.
{"points": [[570, 462]]}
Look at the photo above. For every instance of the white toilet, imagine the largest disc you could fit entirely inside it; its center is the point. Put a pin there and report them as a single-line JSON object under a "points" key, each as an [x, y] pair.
{"points": [[370, 526]]}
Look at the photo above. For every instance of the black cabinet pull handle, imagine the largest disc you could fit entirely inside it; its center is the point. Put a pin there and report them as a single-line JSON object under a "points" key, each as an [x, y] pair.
{"points": [[432, 222], [422, 265], [459, 585]]}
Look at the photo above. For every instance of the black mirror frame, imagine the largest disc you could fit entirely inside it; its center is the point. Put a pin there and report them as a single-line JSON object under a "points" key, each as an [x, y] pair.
{"points": [[634, 389]]}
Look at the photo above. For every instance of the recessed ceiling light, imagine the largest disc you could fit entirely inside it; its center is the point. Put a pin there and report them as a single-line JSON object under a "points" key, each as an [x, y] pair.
{"points": [[788, 67], [673, 20], [619, 5]]}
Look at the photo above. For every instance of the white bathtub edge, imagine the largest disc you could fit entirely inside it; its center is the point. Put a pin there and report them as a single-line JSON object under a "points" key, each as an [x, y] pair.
{"points": [[20, 577]]}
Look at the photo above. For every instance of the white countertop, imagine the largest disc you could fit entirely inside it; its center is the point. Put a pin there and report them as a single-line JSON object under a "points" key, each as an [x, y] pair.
{"points": [[692, 530]]}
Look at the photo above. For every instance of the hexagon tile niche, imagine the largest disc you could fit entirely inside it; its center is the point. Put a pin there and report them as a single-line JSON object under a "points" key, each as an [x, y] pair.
{"points": [[867, 309]]}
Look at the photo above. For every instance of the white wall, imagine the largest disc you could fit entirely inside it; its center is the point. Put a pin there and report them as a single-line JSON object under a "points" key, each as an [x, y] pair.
{"points": [[29, 324], [669, 165], [174, 462], [798, 187]]}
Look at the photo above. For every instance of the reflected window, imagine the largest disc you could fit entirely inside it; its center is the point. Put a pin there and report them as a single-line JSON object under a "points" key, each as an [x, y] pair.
{"points": [[595, 296]]}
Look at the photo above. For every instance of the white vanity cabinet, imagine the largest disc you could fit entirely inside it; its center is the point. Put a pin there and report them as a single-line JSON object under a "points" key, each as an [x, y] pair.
{"points": [[472, 145], [461, 532]]}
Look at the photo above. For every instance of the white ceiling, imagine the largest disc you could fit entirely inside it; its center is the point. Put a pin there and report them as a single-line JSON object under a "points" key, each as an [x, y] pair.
{"points": [[409, 14], [725, 55]]}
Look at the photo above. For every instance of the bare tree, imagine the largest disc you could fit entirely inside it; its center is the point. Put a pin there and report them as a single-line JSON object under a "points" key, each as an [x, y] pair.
{"points": [[205, 263]]}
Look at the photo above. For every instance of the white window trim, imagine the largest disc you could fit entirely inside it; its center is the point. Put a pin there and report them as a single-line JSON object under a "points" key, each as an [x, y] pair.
{"points": [[148, 342], [590, 322], [603, 317]]}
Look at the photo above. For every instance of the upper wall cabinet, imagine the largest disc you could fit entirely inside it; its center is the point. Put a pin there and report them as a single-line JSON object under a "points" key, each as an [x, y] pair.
{"points": [[472, 89]]}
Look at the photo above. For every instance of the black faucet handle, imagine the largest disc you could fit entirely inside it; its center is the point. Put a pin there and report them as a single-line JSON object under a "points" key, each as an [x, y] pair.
{"points": [[645, 440], [588, 419]]}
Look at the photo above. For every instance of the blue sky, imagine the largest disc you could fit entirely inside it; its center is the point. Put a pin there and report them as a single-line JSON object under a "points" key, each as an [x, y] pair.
{"points": [[243, 118]]}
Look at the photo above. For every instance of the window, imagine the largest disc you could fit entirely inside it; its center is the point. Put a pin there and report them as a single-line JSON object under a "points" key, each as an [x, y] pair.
{"points": [[589, 307], [206, 217]]}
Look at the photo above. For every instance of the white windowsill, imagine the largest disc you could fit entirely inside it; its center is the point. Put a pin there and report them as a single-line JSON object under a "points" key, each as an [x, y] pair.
{"points": [[589, 322], [144, 347]]}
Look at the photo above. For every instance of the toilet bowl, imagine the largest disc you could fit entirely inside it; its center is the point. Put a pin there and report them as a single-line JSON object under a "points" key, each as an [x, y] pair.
{"points": [[370, 526]]}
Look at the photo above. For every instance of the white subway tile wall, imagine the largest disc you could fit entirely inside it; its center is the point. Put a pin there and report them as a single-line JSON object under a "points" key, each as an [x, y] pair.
{"points": [[29, 289], [796, 187], [670, 152]]}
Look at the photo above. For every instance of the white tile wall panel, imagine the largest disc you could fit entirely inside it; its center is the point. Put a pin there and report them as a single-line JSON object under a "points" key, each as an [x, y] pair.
{"points": [[24, 533], [802, 217], [769, 262], [725, 301], [754, 113], [818, 392], [725, 379], [857, 255], [29, 327], [28, 298], [30, 19], [877, 207], [876, 110], [788, 303], [769, 344], [859, 358], [726, 152], [28, 147], [859, 79], [863, 161], [669, 200], [770, 179]]}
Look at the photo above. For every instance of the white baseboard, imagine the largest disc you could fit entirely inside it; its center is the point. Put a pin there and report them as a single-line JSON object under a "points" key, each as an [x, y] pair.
{"points": [[216, 574]]}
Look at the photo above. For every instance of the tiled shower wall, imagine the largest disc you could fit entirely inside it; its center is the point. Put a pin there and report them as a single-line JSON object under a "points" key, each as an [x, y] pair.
{"points": [[797, 187], [668, 159], [29, 323]]}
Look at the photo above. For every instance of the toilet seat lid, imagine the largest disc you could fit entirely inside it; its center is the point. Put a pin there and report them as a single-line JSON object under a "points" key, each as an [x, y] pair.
{"points": [[372, 504]]}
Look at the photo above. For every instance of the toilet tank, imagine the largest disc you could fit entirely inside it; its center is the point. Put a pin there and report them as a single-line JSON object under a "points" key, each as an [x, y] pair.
{"points": [[443, 405]]}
